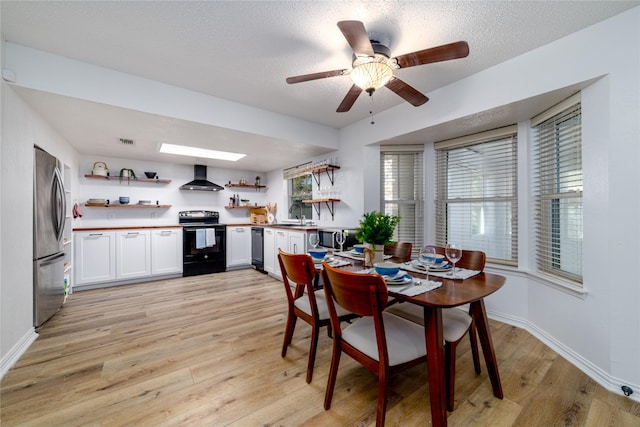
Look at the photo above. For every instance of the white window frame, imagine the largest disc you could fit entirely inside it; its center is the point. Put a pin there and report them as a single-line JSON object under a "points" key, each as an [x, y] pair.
{"points": [[557, 186], [402, 191], [476, 202]]}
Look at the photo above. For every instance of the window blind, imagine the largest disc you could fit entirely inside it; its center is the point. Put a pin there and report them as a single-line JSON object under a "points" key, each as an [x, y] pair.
{"points": [[476, 193], [557, 189], [402, 191]]}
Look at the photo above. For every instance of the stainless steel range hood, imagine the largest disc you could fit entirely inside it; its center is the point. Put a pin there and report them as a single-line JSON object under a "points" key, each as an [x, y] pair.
{"points": [[200, 182]]}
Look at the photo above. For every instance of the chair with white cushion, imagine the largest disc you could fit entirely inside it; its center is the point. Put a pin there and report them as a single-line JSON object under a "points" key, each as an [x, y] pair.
{"points": [[382, 342], [455, 323], [298, 274]]}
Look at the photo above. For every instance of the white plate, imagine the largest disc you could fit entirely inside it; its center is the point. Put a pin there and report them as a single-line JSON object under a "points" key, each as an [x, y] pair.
{"points": [[441, 268], [404, 281]]}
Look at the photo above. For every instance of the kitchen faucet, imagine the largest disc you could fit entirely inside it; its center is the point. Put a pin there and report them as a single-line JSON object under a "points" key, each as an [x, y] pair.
{"points": [[301, 217]]}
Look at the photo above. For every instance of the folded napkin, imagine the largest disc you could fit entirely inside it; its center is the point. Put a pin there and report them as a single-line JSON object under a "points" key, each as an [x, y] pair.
{"points": [[356, 256], [333, 263], [210, 237], [339, 263], [200, 238], [423, 287], [461, 273]]}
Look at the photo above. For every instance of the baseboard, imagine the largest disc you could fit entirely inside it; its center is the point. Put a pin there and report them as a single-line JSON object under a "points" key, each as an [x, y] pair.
{"points": [[594, 372], [10, 359]]}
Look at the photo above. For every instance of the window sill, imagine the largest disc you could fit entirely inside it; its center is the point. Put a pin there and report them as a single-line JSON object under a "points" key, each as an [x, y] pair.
{"points": [[541, 278]]}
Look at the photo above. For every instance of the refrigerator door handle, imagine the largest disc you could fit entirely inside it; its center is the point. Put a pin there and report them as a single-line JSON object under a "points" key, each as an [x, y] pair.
{"points": [[52, 260], [59, 203]]}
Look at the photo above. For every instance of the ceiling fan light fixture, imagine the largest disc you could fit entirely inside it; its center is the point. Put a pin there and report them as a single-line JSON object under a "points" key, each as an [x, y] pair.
{"points": [[370, 76]]}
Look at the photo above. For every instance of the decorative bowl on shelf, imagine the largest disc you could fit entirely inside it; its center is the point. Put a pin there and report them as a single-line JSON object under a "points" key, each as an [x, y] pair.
{"points": [[150, 175], [123, 200]]}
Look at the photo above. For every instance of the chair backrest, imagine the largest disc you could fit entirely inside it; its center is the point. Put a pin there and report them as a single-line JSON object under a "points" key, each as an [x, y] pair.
{"points": [[471, 260], [299, 269], [360, 294], [400, 250]]}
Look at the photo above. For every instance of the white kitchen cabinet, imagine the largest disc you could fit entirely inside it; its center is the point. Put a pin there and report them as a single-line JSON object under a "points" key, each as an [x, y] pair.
{"points": [[297, 242], [109, 257], [133, 254], [94, 257], [238, 246], [166, 251], [270, 253], [289, 241], [281, 242]]}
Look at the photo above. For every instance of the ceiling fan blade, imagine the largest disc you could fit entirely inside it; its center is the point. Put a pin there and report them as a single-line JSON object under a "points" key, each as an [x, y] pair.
{"points": [[349, 99], [408, 93], [357, 37], [435, 54], [315, 76]]}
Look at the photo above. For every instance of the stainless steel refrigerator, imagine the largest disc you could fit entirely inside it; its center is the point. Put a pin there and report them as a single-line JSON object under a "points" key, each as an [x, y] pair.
{"points": [[48, 225]]}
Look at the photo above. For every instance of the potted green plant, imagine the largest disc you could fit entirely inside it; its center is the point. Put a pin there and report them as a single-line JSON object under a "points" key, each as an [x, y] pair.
{"points": [[128, 174], [375, 230]]}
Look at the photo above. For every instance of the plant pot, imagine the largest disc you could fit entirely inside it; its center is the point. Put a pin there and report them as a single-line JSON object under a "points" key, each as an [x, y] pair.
{"points": [[372, 254]]}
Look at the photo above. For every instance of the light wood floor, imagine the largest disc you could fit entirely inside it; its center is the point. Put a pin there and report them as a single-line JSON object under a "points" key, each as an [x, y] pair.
{"points": [[206, 351]]}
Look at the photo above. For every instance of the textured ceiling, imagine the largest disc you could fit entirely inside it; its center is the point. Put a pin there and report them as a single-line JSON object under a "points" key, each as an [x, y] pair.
{"points": [[243, 51]]}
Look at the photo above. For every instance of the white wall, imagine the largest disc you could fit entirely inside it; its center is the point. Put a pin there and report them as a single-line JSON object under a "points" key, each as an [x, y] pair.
{"points": [[21, 130], [165, 194]]}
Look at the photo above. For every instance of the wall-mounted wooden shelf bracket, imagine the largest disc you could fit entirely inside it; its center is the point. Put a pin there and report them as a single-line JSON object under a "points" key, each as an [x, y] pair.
{"points": [[328, 202], [328, 169]]}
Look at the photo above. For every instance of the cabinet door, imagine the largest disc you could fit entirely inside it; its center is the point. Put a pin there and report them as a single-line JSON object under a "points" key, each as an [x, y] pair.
{"points": [[238, 246], [270, 254], [94, 257], [134, 254], [166, 251], [297, 242], [281, 242]]}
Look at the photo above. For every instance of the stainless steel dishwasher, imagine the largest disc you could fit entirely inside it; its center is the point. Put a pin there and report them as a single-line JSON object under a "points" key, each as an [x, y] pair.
{"points": [[257, 248]]}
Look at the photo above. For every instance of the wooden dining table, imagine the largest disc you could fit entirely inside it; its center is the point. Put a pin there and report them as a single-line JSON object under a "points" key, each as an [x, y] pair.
{"points": [[452, 293]]}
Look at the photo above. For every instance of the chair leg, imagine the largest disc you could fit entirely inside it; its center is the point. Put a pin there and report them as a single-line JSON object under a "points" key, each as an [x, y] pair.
{"points": [[383, 392], [333, 373], [315, 331], [450, 372], [474, 347], [288, 332]]}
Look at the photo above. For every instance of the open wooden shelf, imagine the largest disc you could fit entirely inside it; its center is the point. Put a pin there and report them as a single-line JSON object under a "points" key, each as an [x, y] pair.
{"points": [[317, 202], [244, 207], [117, 178], [252, 186], [328, 169], [118, 205]]}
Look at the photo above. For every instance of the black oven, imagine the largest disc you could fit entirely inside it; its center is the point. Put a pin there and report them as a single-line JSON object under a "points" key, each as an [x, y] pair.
{"points": [[204, 243]]}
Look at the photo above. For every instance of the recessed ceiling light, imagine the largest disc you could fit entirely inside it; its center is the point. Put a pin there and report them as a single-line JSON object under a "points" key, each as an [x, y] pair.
{"points": [[184, 150]]}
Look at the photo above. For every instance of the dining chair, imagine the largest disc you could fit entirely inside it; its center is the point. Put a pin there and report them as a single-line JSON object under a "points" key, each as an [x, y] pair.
{"points": [[400, 250], [382, 342], [298, 273], [455, 323]]}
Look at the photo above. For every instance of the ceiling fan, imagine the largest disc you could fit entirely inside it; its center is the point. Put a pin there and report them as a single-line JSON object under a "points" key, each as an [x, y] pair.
{"points": [[373, 66]]}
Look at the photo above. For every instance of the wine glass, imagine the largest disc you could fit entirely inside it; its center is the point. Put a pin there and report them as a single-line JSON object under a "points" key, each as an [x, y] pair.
{"points": [[454, 253], [314, 239], [340, 238], [428, 258]]}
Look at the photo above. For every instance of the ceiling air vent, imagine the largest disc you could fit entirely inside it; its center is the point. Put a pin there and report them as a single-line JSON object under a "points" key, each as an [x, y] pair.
{"points": [[125, 141]]}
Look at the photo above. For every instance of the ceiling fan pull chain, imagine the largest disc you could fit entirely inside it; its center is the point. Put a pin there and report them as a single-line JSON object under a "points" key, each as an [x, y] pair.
{"points": [[371, 108]]}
